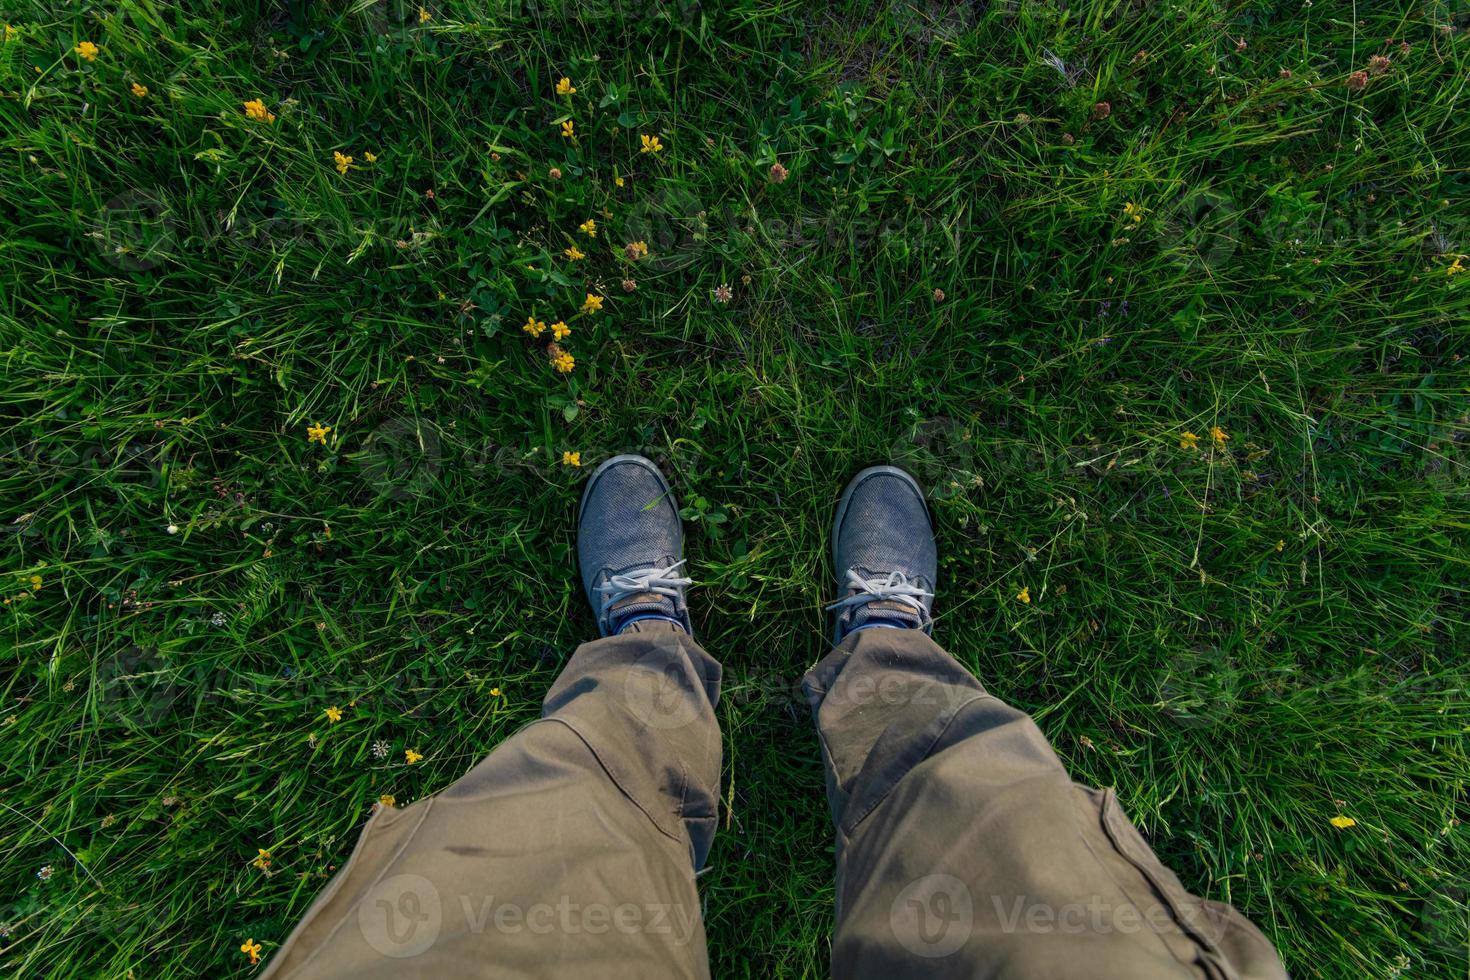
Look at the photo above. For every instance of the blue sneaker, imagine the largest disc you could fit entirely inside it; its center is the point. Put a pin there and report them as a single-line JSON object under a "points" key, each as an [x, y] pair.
{"points": [[630, 546], [883, 554]]}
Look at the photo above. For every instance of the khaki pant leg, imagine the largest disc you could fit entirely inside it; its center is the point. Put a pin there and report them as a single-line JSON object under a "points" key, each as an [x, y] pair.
{"points": [[964, 850], [569, 852]]}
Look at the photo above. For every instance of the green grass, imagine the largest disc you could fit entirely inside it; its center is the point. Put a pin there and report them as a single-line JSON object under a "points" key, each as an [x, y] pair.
{"points": [[1247, 639]]}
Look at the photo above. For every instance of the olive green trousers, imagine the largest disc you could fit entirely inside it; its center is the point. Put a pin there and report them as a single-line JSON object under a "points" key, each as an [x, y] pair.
{"points": [[962, 847]]}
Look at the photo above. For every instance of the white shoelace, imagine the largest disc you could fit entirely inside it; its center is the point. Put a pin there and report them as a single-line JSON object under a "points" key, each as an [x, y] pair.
{"points": [[660, 581], [895, 587]]}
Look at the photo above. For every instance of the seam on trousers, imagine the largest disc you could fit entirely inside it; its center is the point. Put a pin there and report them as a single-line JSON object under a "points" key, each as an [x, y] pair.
{"points": [[612, 775], [1122, 838], [387, 865], [1097, 816]]}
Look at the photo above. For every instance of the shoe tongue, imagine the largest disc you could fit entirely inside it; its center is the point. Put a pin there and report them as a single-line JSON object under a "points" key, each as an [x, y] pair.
{"points": [[641, 602], [887, 609]]}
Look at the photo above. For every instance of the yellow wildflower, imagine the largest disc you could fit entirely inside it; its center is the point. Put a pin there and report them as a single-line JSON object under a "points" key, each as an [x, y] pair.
{"points": [[619, 181], [87, 51], [425, 16], [256, 110], [342, 160], [574, 253], [333, 713], [140, 91], [370, 156], [650, 144], [567, 459], [262, 859], [588, 228], [35, 583], [565, 87], [563, 362], [1133, 212], [1455, 268], [533, 326], [635, 251], [251, 948], [592, 303], [412, 755], [317, 433], [1343, 823], [559, 329], [1219, 435], [1189, 441], [1280, 544], [568, 129], [387, 799], [495, 691], [1024, 595], [11, 33]]}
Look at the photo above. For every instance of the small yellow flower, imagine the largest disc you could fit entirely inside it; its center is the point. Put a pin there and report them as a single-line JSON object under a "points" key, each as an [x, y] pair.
{"points": [[568, 129], [619, 181], [651, 144], [567, 459], [342, 160], [256, 110], [251, 948], [559, 329], [35, 583], [1343, 823], [412, 755], [592, 303], [139, 91], [370, 156], [317, 433], [425, 16], [588, 228], [387, 799], [1133, 212], [1281, 544], [334, 713], [1024, 596], [574, 253], [1455, 268], [87, 51], [1219, 435], [262, 859], [11, 33], [1189, 441], [635, 251], [533, 326], [563, 362], [565, 87], [495, 691]]}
